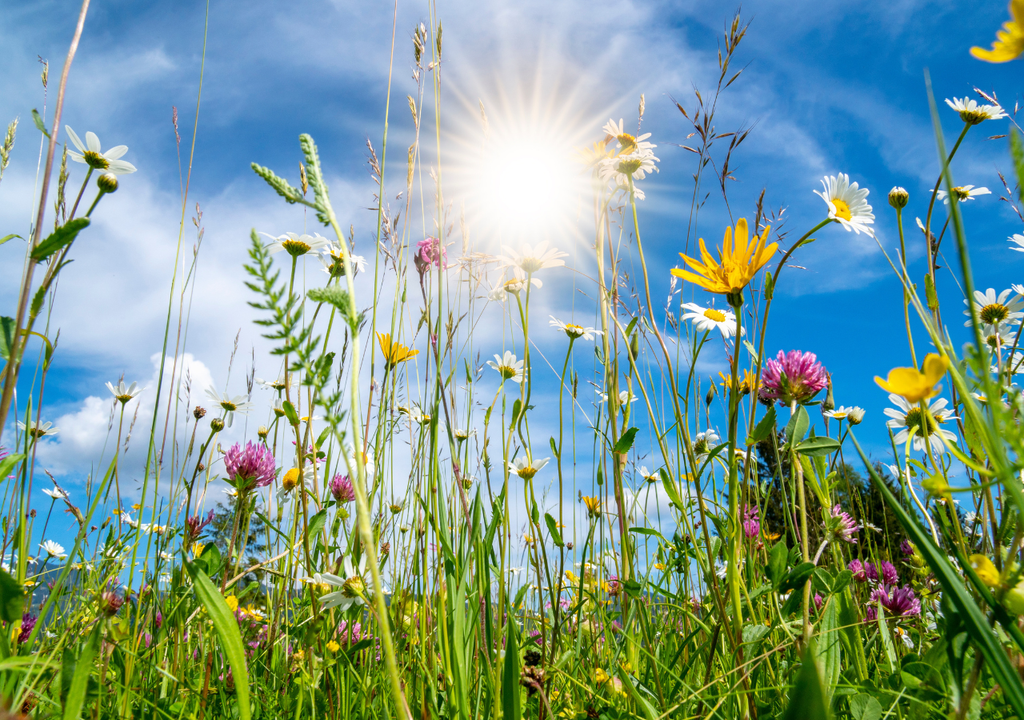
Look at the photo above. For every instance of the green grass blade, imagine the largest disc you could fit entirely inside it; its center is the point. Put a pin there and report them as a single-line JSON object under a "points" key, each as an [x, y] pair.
{"points": [[510, 706], [952, 584], [80, 677], [227, 630]]}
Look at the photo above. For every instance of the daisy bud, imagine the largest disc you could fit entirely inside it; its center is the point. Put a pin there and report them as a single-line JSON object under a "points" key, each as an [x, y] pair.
{"points": [[263, 432], [198, 413], [898, 198], [107, 182], [855, 416], [216, 424]]}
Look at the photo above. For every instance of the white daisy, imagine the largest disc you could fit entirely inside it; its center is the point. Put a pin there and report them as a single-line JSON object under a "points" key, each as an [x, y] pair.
{"points": [[995, 309], [963, 193], [290, 484], [853, 414], [1019, 240], [704, 442], [847, 203], [36, 430], [56, 493], [124, 394], [999, 336], [353, 587], [94, 157], [230, 405], [53, 549], [508, 367], [706, 319], [533, 257], [625, 397], [333, 260], [513, 286], [296, 245], [278, 384], [651, 476], [635, 157], [574, 332], [926, 426], [526, 468], [972, 113]]}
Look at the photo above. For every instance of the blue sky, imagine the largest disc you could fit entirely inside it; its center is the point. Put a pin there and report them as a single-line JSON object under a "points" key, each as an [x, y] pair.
{"points": [[827, 87]]}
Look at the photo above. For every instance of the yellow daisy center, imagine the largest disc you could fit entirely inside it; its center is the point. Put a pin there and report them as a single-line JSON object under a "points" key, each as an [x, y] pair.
{"points": [[714, 315], [295, 247], [507, 371], [573, 331], [95, 160], [229, 406], [994, 313], [290, 479], [961, 194], [926, 423], [842, 209], [627, 141]]}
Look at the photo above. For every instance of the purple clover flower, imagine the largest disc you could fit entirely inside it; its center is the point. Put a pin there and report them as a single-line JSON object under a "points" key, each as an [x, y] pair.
{"points": [[250, 467], [897, 601], [843, 526], [884, 572], [342, 490], [907, 548], [28, 622], [860, 573], [430, 251], [751, 521], [792, 377], [195, 524]]}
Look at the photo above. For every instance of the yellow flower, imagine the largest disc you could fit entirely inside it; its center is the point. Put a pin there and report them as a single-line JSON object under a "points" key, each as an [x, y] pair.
{"points": [[987, 572], [394, 353], [659, 566], [1009, 43], [601, 677], [738, 263], [746, 384], [333, 646], [290, 479], [232, 602], [914, 385], [593, 506]]}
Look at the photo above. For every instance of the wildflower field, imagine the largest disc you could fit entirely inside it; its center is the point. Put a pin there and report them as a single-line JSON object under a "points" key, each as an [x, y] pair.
{"points": [[437, 492]]}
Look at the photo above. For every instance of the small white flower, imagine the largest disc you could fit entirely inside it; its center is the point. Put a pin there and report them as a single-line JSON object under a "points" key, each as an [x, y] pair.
{"points": [[353, 587], [333, 260], [847, 203], [994, 309], [634, 158], [123, 394], [854, 415], [91, 154], [52, 549], [973, 113], [508, 367], [963, 194], [296, 245], [525, 468], [625, 397], [574, 332], [533, 258], [56, 493], [926, 425], [704, 442], [230, 405], [36, 430], [706, 319], [1018, 239], [651, 476], [904, 636]]}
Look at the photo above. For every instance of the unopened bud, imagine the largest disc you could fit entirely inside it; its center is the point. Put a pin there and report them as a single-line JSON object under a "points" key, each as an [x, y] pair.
{"points": [[216, 424], [107, 182], [898, 198], [263, 432], [199, 412]]}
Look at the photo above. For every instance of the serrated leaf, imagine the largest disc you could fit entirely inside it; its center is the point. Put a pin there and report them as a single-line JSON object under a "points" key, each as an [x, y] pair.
{"points": [[332, 295], [625, 442], [763, 428], [282, 187], [227, 632], [59, 238]]}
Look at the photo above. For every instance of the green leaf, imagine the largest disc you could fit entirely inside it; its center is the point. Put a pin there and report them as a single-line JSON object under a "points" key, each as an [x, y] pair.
{"points": [[670, 489], [227, 631], [289, 411], [1017, 155], [510, 701], [777, 560], [818, 446], [865, 707], [553, 529], [5, 238], [40, 125], [763, 428], [985, 641], [59, 238], [829, 647], [807, 699], [8, 463], [648, 532], [210, 560], [797, 577], [797, 426], [625, 442], [930, 294], [80, 674], [281, 186], [316, 524], [332, 295], [12, 598]]}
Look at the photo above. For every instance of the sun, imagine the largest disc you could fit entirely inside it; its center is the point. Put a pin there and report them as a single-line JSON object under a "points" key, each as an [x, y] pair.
{"points": [[517, 172]]}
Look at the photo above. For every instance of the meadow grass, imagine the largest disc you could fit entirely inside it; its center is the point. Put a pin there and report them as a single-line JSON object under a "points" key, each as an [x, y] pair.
{"points": [[408, 534]]}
